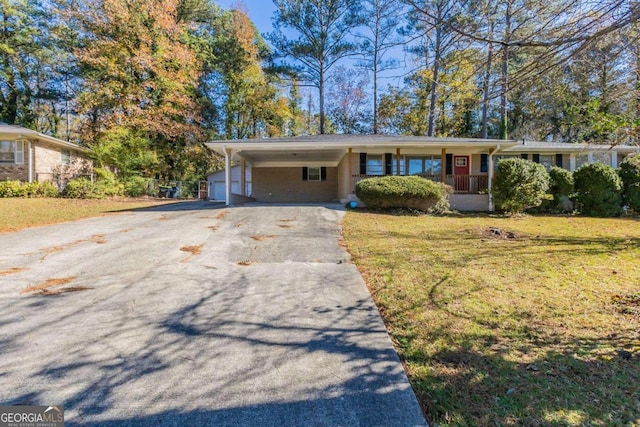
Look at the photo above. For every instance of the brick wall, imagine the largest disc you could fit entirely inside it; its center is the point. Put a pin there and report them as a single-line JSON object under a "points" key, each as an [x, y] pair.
{"points": [[11, 171]]}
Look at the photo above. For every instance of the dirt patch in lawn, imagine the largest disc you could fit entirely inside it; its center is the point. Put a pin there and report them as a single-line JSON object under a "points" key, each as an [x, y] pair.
{"points": [[49, 283], [627, 304], [193, 250], [14, 270], [261, 238], [498, 233]]}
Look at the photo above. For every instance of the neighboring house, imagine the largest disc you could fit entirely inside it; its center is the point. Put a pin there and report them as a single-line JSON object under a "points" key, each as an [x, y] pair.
{"points": [[327, 167], [27, 155], [216, 181]]}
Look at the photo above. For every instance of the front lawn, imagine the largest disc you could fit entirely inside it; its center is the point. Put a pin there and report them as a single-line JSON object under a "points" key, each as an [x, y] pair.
{"points": [[509, 321], [18, 213]]}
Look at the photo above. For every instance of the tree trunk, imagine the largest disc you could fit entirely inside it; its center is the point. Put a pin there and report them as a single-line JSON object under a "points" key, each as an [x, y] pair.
{"points": [[321, 89], [436, 72], [375, 92], [504, 123], [485, 88]]}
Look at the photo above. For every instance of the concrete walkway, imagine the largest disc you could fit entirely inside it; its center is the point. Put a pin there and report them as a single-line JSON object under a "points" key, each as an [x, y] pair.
{"points": [[196, 315]]}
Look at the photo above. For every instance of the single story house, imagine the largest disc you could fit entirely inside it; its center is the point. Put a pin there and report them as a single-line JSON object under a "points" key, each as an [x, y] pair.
{"points": [[326, 168], [27, 155], [216, 182]]}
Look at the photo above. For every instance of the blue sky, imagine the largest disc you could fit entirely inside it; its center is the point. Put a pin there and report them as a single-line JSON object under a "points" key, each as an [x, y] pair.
{"points": [[260, 11]]}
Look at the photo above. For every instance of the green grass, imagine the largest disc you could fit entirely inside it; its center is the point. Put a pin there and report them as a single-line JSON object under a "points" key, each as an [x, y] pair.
{"points": [[494, 331], [19, 213]]}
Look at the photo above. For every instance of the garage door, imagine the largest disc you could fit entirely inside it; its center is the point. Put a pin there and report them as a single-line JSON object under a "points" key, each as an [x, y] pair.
{"points": [[219, 192]]}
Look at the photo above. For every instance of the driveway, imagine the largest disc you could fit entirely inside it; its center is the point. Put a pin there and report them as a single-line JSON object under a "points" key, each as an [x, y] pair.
{"points": [[193, 314]]}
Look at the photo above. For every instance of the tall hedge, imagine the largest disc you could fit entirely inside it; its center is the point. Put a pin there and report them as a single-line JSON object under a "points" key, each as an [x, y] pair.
{"points": [[598, 190], [629, 172], [411, 192], [561, 188], [519, 184]]}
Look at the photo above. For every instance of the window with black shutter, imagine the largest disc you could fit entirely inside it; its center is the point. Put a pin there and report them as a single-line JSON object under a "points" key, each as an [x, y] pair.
{"points": [[559, 160], [484, 163], [449, 165]]}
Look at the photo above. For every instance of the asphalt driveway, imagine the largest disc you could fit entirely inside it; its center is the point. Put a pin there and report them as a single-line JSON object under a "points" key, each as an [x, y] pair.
{"points": [[190, 314]]}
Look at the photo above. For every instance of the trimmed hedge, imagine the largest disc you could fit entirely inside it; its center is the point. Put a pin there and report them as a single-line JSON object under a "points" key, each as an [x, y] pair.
{"points": [[519, 184], [27, 189], [408, 192], [598, 190], [629, 172]]}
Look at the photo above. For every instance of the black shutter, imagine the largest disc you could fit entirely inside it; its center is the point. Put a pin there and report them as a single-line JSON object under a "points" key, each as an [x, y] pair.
{"points": [[305, 174], [363, 163], [323, 173], [524, 156], [388, 163], [449, 165], [484, 163], [559, 160], [536, 158]]}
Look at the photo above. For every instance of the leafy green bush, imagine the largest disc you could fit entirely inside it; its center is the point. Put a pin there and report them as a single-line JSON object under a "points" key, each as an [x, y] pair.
{"points": [[11, 189], [629, 172], [82, 188], [136, 186], [410, 192], [107, 185], [598, 190], [519, 184], [561, 188], [27, 189]]}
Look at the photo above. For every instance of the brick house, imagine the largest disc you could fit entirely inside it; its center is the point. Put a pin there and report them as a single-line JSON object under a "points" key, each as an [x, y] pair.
{"points": [[27, 155]]}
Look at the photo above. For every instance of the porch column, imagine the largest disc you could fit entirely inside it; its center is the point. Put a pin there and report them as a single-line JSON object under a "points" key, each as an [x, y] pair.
{"points": [[350, 166], [243, 177], [614, 159], [572, 162], [490, 178], [590, 157], [227, 175], [443, 164], [30, 162], [398, 161]]}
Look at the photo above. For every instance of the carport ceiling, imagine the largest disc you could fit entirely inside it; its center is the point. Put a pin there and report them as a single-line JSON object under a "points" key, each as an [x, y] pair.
{"points": [[289, 157]]}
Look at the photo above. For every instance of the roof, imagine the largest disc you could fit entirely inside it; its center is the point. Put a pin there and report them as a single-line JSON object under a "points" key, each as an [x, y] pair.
{"points": [[18, 132], [328, 150], [564, 147]]}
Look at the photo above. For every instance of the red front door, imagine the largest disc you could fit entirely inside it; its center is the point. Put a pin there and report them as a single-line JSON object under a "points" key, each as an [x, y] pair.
{"points": [[461, 173]]}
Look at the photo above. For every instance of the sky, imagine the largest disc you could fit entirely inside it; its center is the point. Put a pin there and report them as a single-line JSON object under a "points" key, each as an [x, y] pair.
{"points": [[260, 11]]}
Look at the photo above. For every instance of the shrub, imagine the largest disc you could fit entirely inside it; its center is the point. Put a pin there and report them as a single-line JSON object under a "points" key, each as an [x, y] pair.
{"points": [[27, 189], [82, 188], [598, 190], [11, 189], [107, 185], [560, 188], [519, 184], [409, 192], [136, 186], [629, 172]]}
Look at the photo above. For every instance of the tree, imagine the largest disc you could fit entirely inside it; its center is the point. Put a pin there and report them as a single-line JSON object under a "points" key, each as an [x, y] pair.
{"points": [[630, 174], [27, 66], [348, 100], [381, 21], [323, 27]]}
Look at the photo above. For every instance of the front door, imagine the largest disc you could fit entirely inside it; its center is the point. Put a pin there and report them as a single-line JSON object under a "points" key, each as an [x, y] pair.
{"points": [[461, 173]]}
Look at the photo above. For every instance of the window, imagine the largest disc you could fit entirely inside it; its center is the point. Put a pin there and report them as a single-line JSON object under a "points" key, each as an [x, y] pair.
{"points": [[461, 162], [65, 157], [314, 174], [547, 161], [375, 164], [428, 165], [394, 166], [12, 152]]}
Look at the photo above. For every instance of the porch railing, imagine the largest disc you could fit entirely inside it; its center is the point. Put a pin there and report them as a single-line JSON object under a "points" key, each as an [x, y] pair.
{"points": [[461, 184]]}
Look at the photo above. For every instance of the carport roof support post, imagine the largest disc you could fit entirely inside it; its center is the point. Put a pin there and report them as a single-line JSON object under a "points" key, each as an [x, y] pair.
{"points": [[227, 175]]}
